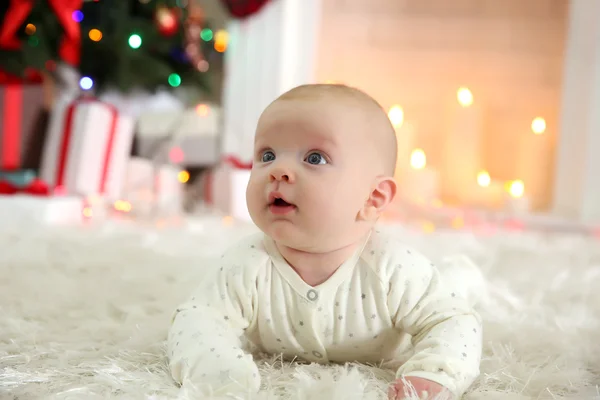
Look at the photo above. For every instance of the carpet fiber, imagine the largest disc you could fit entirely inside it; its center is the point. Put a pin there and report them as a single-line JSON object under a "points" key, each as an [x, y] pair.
{"points": [[84, 313]]}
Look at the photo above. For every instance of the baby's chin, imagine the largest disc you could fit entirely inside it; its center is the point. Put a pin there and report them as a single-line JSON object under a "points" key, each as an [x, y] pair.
{"points": [[307, 243]]}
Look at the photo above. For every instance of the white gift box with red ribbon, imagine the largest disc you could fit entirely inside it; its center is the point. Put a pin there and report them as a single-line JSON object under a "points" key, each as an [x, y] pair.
{"points": [[225, 188], [87, 148]]}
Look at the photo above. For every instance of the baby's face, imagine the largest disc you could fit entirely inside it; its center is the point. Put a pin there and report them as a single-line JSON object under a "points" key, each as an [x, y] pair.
{"points": [[310, 176]]}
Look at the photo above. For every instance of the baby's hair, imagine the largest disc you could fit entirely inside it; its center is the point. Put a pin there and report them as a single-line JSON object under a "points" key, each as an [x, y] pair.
{"points": [[386, 139]]}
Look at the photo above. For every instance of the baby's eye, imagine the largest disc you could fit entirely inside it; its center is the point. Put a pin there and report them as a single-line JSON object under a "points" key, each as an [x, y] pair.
{"points": [[268, 156], [315, 159]]}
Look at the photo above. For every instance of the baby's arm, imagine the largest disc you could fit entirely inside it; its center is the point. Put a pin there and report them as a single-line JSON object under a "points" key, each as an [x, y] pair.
{"points": [[445, 330], [204, 346]]}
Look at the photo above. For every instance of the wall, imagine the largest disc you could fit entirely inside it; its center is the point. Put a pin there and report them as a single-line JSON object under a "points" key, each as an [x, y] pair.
{"points": [[416, 53]]}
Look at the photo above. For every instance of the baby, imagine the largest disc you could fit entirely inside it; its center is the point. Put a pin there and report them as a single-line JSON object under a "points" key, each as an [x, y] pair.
{"points": [[320, 282]]}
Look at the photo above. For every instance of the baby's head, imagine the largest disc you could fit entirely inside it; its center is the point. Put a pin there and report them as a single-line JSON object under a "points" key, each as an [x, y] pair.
{"points": [[324, 159]]}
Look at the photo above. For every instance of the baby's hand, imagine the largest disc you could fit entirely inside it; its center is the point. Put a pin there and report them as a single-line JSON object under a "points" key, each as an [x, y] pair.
{"points": [[424, 389]]}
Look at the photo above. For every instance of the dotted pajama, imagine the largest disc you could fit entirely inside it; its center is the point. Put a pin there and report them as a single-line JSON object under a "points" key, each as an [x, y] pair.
{"points": [[385, 303]]}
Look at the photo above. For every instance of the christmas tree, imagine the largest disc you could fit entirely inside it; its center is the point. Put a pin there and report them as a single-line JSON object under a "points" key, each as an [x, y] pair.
{"points": [[122, 44]]}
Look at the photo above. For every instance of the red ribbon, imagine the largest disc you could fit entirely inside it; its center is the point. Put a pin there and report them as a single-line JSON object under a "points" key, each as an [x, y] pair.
{"points": [[37, 187], [19, 10], [66, 141], [11, 127], [236, 162]]}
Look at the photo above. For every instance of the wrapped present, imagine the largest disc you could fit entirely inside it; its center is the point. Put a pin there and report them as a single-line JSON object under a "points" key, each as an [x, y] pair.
{"points": [[87, 149], [22, 124], [191, 137], [169, 189], [140, 175], [154, 188], [23, 209], [225, 188]]}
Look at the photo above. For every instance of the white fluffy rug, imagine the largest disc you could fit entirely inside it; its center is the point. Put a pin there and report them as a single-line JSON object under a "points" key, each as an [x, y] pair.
{"points": [[84, 313]]}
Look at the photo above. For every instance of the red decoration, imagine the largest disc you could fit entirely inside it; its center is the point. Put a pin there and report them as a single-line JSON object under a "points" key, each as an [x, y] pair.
{"points": [[37, 187], [244, 8], [166, 21], [8, 188], [235, 162], [10, 140], [19, 10]]}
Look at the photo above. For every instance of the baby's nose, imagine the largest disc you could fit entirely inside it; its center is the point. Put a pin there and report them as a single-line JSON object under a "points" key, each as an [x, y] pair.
{"points": [[282, 175]]}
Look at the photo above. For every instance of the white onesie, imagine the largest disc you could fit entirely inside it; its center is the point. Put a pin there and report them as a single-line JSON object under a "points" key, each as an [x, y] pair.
{"points": [[387, 302]]}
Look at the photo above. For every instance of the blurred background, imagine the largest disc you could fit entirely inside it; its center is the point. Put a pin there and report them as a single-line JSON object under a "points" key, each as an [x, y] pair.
{"points": [[495, 103]]}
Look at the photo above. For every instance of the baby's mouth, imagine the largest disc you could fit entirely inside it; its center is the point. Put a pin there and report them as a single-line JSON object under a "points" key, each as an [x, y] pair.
{"points": [[280, 206], [281, 203]]}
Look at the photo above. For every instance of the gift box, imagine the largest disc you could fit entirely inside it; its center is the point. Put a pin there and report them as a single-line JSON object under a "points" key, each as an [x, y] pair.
{"points": [[23, 209], [87, 149], [169, 189], [191, 137], [23, 120], [150, 187], [140, 176], [225, 188]]}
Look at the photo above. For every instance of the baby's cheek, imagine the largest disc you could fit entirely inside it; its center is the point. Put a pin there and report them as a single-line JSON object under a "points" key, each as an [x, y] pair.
{"points": [[254, 201]]}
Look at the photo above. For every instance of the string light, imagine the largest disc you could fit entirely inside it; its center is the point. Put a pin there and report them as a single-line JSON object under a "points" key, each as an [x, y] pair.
{"points": [[464, 97], [183, 176], [484, 179], [135, 41], [396, 116], [174, 80], [33, 41], [77, 16], [428, 227], [122, 205], [95, 35], [516, 188], [176, 155], [538, 125], [202, 109], [86, 83], [206, 34], [221, 39], [220, 47], [418, 159], [221, 35], [87, 212], [458, 222], [202, 66], [30, 29]]}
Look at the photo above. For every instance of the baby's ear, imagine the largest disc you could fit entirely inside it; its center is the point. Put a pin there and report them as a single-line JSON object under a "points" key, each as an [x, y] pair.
{"points": [[382, 194]]}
